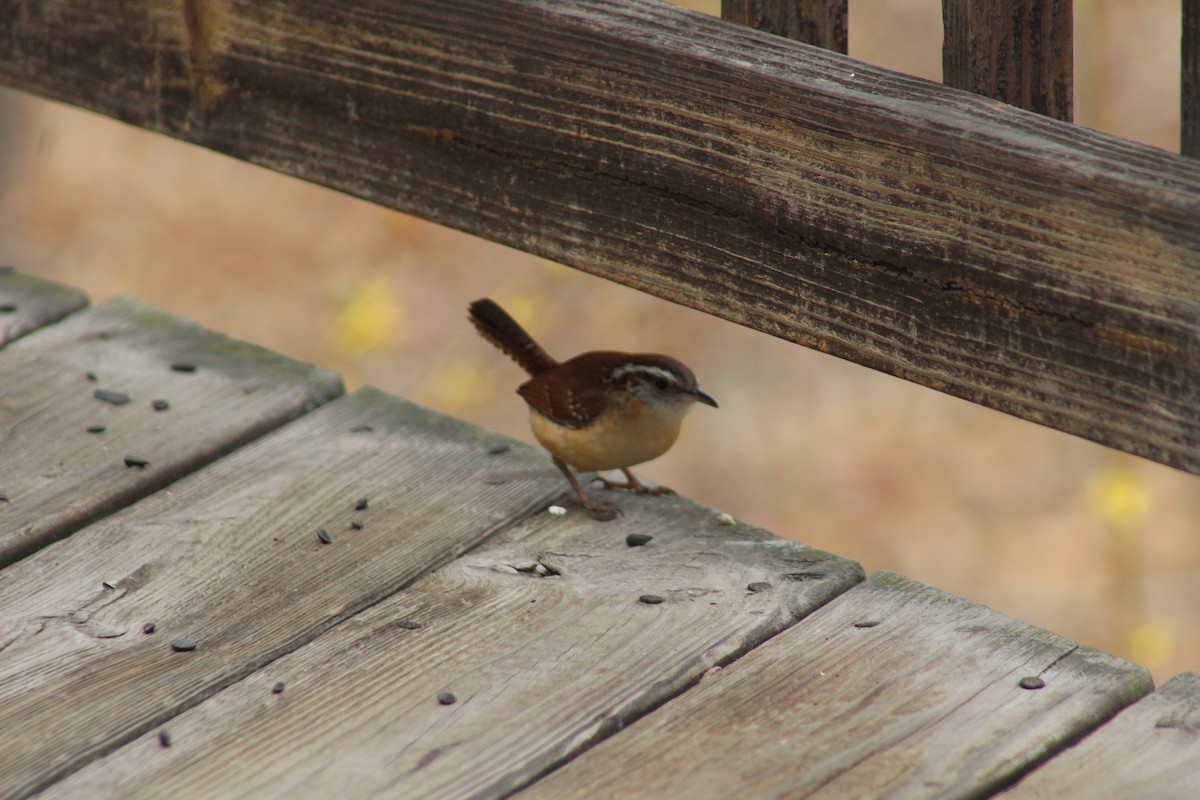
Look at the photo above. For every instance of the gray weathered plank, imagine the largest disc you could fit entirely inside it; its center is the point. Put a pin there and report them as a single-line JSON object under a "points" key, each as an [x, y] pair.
{"points": [[895, 689], [1151, 751], [1033, 266], [540, 665], [1018, 51], [28, 303], [56, 476], [230, 558]]}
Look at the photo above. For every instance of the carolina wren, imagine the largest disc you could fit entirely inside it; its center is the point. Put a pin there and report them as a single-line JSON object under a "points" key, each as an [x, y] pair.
{"points": [[601, 410]]}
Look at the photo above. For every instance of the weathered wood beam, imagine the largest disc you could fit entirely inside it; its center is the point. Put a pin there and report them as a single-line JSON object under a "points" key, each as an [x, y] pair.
{"points": [[817, 22], [1014, 260], [1018, 51]]}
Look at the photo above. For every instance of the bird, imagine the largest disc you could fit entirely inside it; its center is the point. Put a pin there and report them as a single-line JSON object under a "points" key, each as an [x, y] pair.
{"points": [[599, 411]]}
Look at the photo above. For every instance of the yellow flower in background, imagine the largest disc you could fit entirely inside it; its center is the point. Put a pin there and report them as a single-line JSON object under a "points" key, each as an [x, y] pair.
{"points": [[1151, 643], [1119, 496], [458, 384], [366, 319]]}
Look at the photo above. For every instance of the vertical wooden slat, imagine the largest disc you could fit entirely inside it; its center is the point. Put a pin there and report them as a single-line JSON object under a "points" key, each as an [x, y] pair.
{"points": [[1018, 51], [1189, 132], [819, 22]]}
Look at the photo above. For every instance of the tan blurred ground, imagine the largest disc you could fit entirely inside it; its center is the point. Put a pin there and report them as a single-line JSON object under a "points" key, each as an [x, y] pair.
{"points": [[1100, 547]]}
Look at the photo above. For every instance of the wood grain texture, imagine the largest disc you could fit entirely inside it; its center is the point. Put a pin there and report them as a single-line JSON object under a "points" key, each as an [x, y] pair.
{"points": [[1036, 267], [57, 476], [1189, 84], [818, 22], [1151, 751], [895, 689], [230, 558], [28, 303], [541, 638], [1018, 51]]}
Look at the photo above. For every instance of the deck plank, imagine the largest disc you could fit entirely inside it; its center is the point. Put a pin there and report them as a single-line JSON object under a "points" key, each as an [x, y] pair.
{"points": [[541, 666], [1150, 751], [894, 689], [55, 476], [28, 303], [229, 557]]}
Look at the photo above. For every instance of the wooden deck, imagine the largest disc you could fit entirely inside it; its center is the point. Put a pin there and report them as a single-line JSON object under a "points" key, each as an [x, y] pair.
{"points": [[259, 587]]}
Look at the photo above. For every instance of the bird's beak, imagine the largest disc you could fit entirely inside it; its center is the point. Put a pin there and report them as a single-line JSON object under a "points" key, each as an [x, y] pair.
{"points": [[701, 397]]}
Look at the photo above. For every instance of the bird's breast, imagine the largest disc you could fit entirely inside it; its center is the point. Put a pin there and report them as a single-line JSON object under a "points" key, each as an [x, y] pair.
{"points": [[619, 437]]}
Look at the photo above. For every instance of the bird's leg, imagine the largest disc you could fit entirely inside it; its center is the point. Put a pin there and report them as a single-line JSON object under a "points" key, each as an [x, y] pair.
{"points": [[632, 484], [598, 510]]}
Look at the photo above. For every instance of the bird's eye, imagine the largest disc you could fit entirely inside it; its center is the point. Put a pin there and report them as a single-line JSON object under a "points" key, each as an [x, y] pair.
{"points": [[662, 384]]}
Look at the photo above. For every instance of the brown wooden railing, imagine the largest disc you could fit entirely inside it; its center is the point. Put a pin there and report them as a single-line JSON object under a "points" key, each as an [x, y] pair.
{"points": [[1002, 256]]}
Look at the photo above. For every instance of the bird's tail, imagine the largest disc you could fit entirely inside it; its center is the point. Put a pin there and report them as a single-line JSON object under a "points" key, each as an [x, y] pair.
{"points": [[495, 325]]}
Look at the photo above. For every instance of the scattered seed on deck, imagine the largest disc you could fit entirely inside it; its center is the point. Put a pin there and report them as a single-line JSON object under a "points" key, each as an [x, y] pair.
{"points": [[725, 519], [801, 577], [324, 536], [4, 498], [96, 429], [1031, 682], [91, 376], [638, 539], [409, 625], [8, 308], [447, 698], [869, 623], [356, 525], [134, 461], [652, 599], [361, 504], [164, 738], [277, 688], [362, 429], [106, 586], [109, 396], [160, 405], [149, 627], [758, 586], [183, 645], [499, 449], [183, 366], [556, 511]]}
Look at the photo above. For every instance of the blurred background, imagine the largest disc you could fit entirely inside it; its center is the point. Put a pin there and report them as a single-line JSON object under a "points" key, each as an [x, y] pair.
{"points": [[1095, 545]]}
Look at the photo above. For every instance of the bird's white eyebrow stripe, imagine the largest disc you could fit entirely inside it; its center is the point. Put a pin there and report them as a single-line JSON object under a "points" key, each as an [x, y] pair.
{"points": [[645, 369]]}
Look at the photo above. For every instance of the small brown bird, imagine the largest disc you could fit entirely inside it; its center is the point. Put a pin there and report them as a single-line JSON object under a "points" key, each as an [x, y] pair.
{"points": [[601, 410]]}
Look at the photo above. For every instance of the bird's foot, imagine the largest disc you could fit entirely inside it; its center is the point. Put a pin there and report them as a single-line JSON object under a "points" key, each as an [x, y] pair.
{"points": [[632, 484], [599, 510]]}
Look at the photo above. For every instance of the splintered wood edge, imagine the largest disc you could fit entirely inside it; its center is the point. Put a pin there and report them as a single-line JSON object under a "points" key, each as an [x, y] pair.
{"points": [[37, 303]]}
